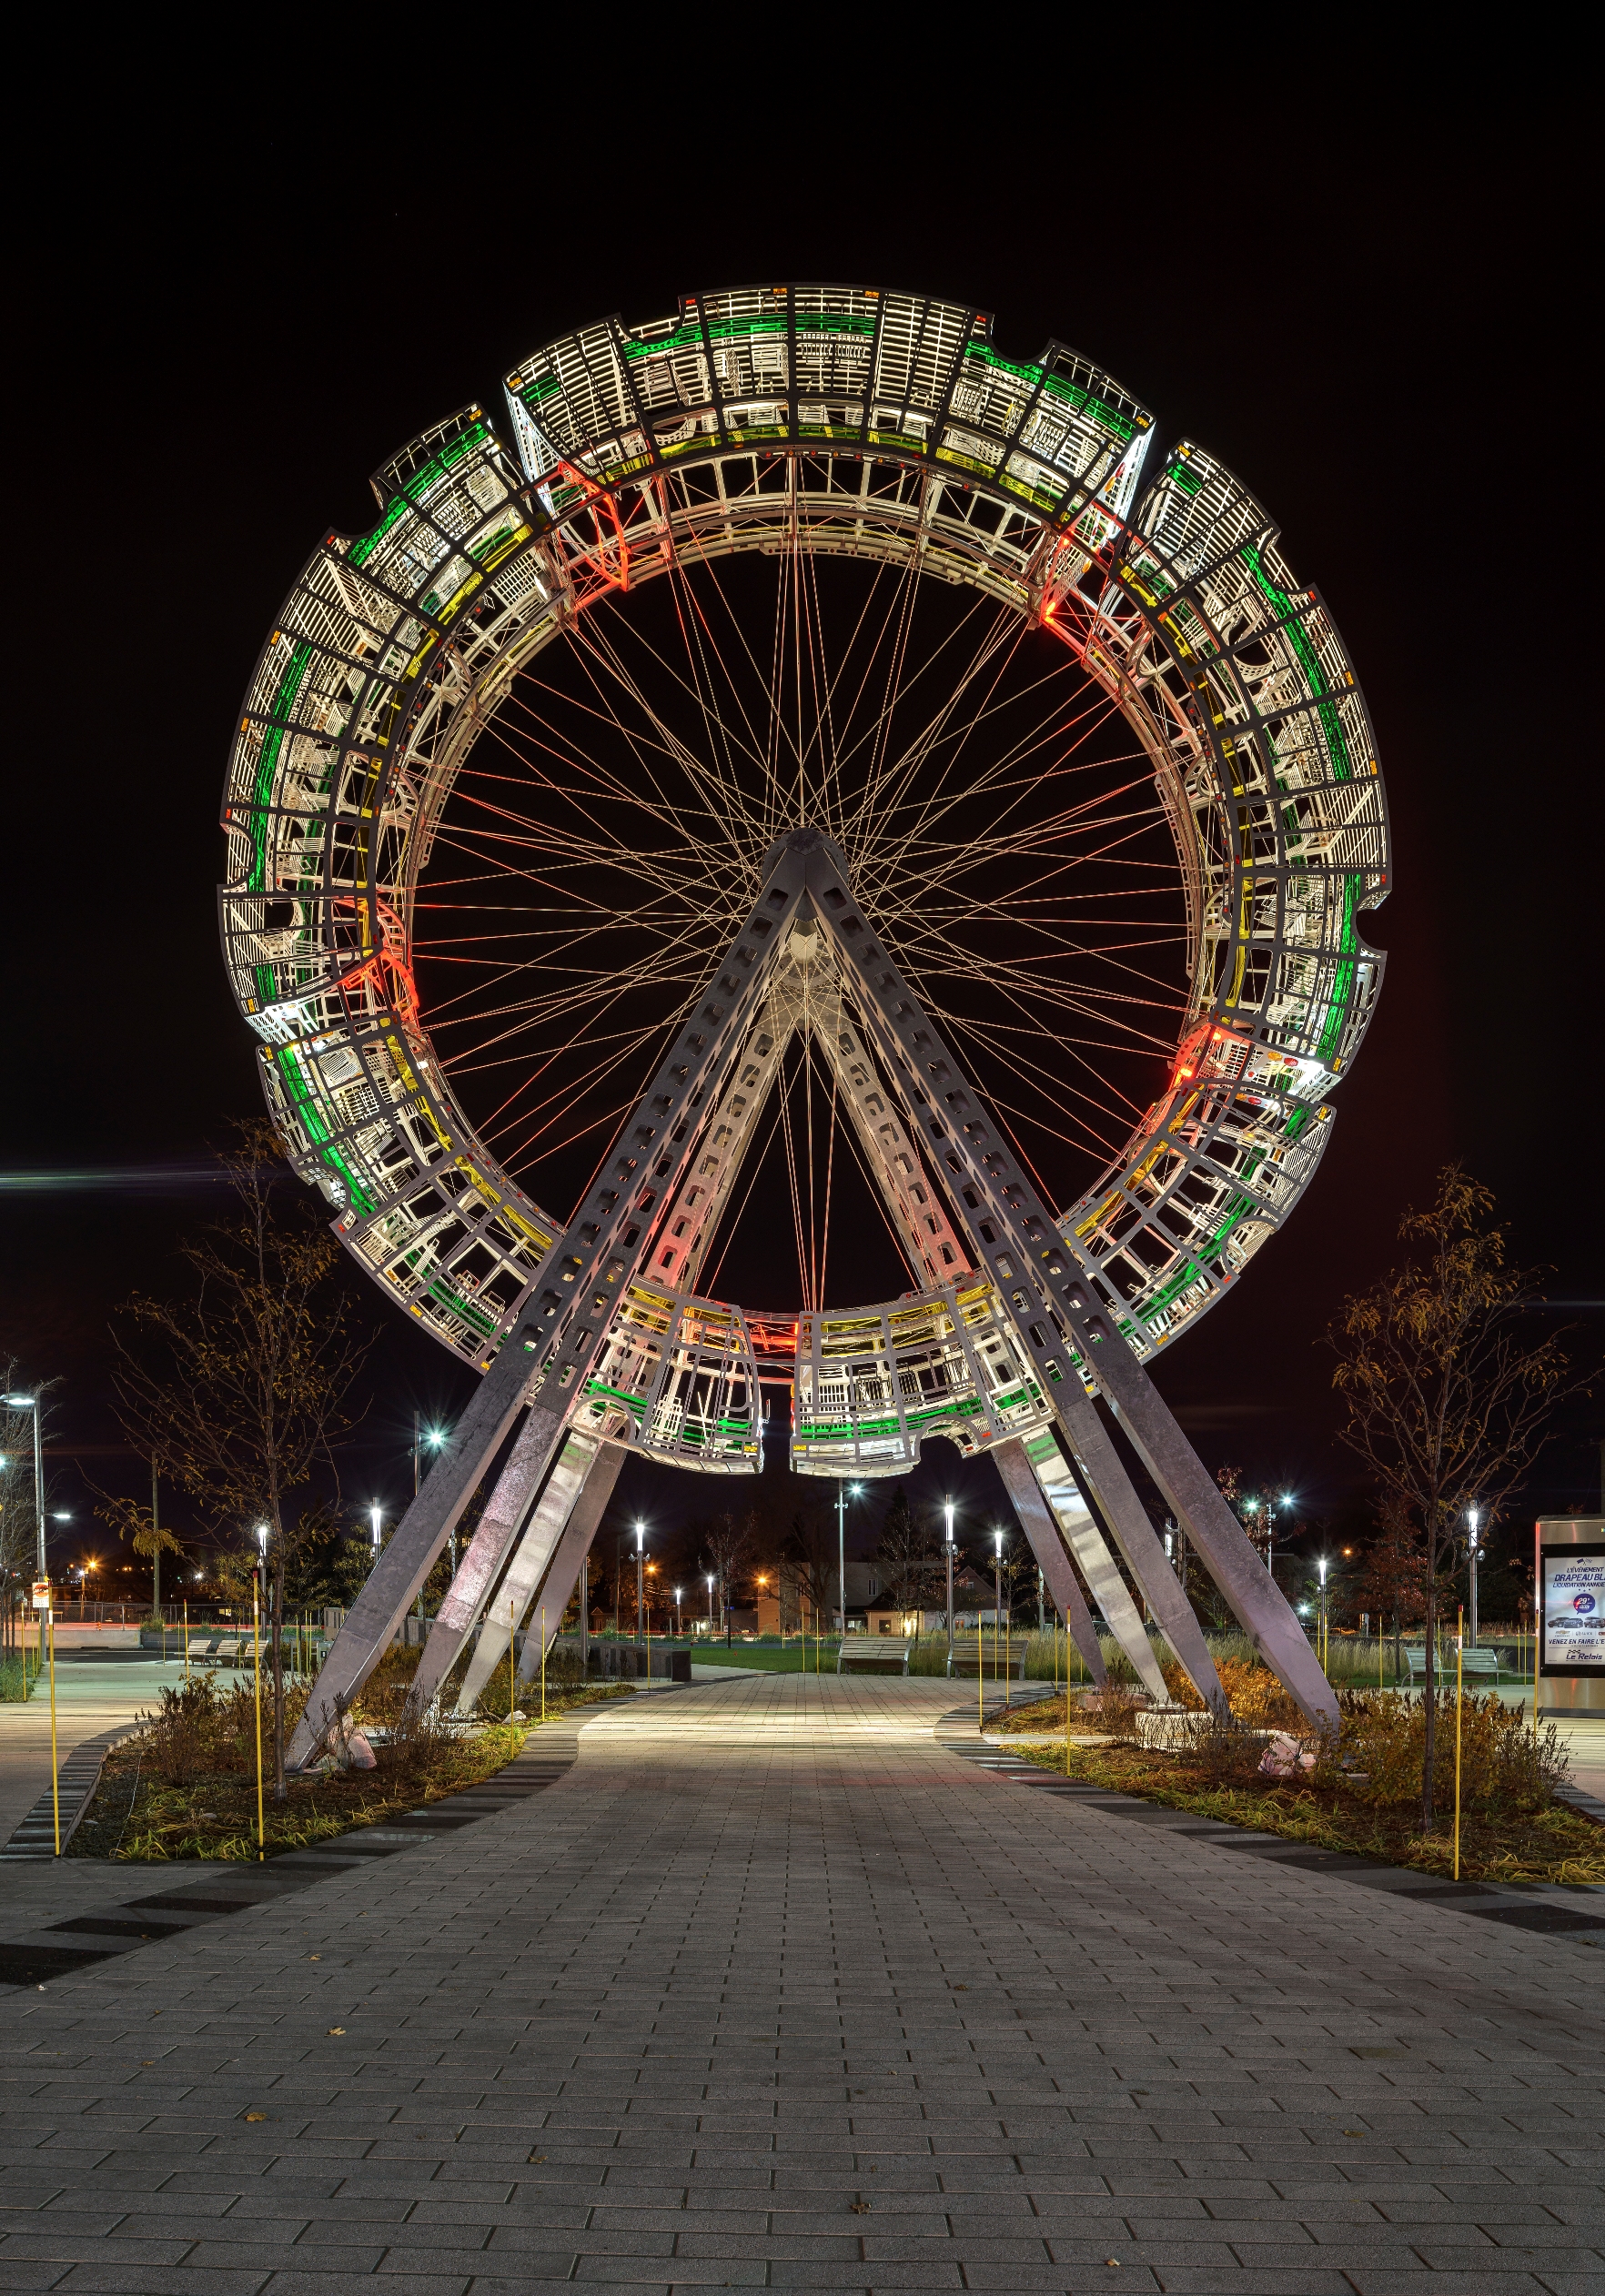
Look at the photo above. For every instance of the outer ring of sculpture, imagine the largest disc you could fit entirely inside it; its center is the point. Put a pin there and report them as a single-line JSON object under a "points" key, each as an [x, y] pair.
{"points": [[884, 425]]}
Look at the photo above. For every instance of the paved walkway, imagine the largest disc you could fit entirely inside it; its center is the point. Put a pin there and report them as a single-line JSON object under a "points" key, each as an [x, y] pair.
{"points": [[776, 1987], [101, 1684]]}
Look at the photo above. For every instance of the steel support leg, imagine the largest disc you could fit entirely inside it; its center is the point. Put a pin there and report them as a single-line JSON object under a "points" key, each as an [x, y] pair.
{"points": [[556, 1590], [1263, 1610], [503, 1519], [1099, 1465], [422, 1532], [1085, 1542], [1042, 1534], [534, 1551]]}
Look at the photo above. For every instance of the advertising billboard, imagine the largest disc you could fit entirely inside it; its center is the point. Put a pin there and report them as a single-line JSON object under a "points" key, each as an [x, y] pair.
{"points": [[1572, 1600]]}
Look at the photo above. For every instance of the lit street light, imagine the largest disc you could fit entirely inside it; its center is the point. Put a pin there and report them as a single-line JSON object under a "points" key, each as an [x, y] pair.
{"points": [[376, 1516], [31, 1402], [947, 1511], [679, 1616], [1474, 1517], [843, 1493], [710, 1602], [639, 1567]]}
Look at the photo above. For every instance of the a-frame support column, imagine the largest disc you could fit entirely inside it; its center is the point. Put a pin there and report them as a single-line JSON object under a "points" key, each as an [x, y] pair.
{"points": [[918, 1212], [506, 1510], [556, 1590], [1099, 1470], [584, 1477], [1053, 1559], [1012, 1235], [561, 1325], [1076, 1520]]}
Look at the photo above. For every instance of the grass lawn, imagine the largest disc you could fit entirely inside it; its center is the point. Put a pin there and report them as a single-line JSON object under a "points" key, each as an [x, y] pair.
{"points": [[766, 1658]]}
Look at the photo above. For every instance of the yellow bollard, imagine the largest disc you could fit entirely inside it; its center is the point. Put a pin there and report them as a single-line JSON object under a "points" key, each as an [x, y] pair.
{"points": [[1460, 1662], [55, 1772], [257, 1640]]}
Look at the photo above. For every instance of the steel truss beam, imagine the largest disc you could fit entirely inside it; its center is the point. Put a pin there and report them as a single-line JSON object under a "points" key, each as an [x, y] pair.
{"points": [[578, 1489], [1043, 1537], [561, 1327], [1014, 1237]]}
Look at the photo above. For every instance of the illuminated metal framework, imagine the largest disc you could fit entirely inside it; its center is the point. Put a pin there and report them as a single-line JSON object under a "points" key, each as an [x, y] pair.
{"points": [[823, 422]]}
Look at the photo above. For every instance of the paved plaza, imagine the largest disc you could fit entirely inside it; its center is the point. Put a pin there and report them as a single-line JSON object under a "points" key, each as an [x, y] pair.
{"points": [[774, 1983]]}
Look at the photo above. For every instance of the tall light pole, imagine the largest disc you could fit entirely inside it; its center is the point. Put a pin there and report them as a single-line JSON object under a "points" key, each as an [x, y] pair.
{"points": [[376, 1516], [1270, 1537], [679, 1616], [1322, 1567], [997, 1596], [31, 1402], [640, 1574], [843, 1493], [709, 1603], [947, 1510], [1474, 1517]]}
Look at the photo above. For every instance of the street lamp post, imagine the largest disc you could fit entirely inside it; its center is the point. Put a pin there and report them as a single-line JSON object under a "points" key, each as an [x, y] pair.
{"points": [[1322, 1567], [843, 1493], [376, 1516], [947, 1511], [997, 1539], [639, 1575], [679, 1617], [31, 1402], [709, 1604], [1474, 1518]]}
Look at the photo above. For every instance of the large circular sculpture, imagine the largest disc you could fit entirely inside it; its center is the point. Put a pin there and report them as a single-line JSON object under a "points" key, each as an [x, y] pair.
{"points": [[511, 764]]}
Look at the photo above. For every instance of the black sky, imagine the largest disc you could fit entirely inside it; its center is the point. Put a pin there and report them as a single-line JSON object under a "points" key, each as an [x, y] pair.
{"points": [[233, 309]]}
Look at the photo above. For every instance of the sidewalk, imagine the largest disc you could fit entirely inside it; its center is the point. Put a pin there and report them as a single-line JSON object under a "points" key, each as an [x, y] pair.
{"points": [[778, 1984], [100, 1685]]}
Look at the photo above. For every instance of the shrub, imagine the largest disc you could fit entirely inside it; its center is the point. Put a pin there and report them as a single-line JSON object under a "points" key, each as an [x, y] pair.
{"points": [[1506, 1761], [1114, 1708]]}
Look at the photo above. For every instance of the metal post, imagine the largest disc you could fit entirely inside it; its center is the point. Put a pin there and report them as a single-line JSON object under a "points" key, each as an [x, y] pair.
{"points": [[841, 1557], [640, 1569], [947, 1510], [997, 1600], [1476, 1518]]}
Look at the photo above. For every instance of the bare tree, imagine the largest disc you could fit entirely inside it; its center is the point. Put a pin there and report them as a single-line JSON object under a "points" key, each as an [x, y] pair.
{"points": [[909, 1557], [1447, 1395], [811, 1558], [239, 1392], [728, 1540]]}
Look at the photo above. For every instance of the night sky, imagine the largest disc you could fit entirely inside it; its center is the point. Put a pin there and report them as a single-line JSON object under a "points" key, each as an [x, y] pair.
{"points": [[1372, 319]]}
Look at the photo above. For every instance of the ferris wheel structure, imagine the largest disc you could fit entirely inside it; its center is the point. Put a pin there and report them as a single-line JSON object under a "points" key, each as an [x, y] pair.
{"points": [[796, 688]]}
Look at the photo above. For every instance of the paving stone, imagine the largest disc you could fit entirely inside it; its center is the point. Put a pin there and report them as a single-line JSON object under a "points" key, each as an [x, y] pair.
{"points": [[774, 1987]]}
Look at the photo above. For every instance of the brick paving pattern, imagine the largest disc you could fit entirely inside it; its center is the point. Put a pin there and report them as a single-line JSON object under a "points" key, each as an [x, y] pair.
{"points": [[776, 1986]]}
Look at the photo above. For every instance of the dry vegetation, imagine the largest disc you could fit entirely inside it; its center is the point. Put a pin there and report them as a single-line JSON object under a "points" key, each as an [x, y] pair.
{"points": [[185, 1784], [1364, 1793]]}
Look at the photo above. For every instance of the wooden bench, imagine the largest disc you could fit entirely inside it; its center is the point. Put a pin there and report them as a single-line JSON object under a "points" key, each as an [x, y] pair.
{"points": [[873, 1654], [1472, 1661], [1007, 1662]]}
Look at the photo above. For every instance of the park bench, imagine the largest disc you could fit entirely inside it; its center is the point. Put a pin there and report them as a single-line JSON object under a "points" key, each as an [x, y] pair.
{"points": [[1472, 1661], [873, 1654], [1005, 1659]]}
